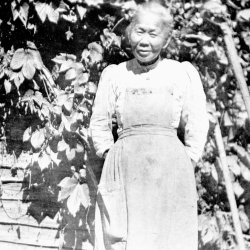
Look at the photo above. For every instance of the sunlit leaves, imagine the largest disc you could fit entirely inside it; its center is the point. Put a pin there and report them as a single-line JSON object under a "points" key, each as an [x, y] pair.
{"points": [[238, 189], [7, 86], [28, 60], [54, 157], [28, 68], [67, 186], [37, 139], [93, 2], [214, 7], [20, 11], [94, 54], [68, 105], [244, 221], [81, 11], [18, 59], [243, 16], [209, 231], [77, 194], [91, 88], [45, 10], [73, 70], [110, 39], [44, 161], [71, 74], [27, 134], [69, 34], [70, 153], [62, 145], [17, 77]]}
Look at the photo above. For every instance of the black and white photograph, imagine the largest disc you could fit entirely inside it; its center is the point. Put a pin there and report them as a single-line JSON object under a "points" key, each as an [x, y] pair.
{"points": [[125, 124]]}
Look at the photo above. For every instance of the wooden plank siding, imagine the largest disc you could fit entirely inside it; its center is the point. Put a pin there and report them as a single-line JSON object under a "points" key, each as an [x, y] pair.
{"points": [[20, 231], [17, 229]]}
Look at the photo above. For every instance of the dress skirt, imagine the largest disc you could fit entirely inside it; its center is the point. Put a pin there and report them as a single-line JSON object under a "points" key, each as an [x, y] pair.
{"points": [[147, 194]]}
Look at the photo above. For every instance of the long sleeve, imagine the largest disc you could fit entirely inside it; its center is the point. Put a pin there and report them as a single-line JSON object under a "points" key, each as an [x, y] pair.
{"points": [[194, 116], [101, 119]]}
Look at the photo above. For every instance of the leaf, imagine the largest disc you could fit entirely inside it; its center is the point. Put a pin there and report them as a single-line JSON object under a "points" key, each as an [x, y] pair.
{"points": [[61, 99], [69, 56], [227, 120], [28, 69], [7, 86], [54, 157], [66, 65], [59, 59], [209, 230], [71, 74], [68, 105], [200, 36], [69, 35], [94, 46], [67, 187], [38, 98], [37, 139], [245, 172], [110, 38], [37, 60], [238, 190], [244, 221], [66, 123], [70, 153], [84, 109], [31, 45], [80, 195], [81, 11], [27, 134], [28, 94], [53, 14], [45, 111], [23, 13], [84, 133], [63, 7], [243, 16], [44, 160], [41, 10], [83, 78], [93, 2], [215, 7], [19, 79], [96, 52], [79, 148], [91, 88], [62, 145], [18, 59], [79, 90], [79, 117], [85, 55], [14, 10]]}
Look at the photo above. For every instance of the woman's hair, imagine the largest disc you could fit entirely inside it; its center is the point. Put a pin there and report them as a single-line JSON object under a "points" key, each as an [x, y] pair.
{"points": [[154, 7]]}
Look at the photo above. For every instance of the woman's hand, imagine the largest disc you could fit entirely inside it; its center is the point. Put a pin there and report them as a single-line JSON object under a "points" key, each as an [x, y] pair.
{"points": [[105, 154]]}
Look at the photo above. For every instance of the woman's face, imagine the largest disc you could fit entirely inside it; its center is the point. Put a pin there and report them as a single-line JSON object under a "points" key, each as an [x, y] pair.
{"points": [[147, 37]]}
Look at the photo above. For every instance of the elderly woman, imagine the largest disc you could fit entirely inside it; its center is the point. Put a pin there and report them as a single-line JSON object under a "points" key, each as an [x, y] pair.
{"points": [[147, 194]]}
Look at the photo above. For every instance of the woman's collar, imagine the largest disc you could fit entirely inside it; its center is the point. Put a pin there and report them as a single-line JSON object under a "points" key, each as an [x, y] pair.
{"points": [[145, 67]]}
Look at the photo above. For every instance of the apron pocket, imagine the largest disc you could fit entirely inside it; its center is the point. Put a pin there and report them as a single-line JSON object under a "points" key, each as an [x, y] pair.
{"points": [[112, 205]]}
